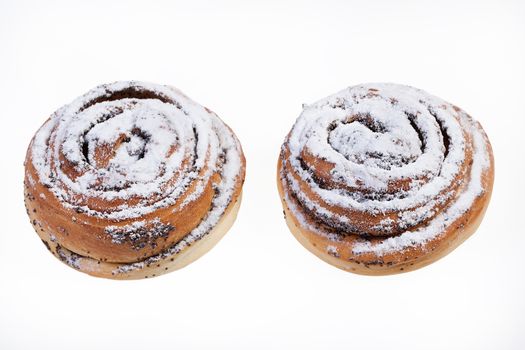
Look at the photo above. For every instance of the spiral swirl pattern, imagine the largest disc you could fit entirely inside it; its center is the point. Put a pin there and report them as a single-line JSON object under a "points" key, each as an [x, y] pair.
{"points": [[379, 168], [141, 164]]}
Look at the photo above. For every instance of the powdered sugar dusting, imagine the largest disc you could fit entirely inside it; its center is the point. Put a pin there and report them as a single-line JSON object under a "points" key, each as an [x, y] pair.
{"points": [[373, 138], [132, 140]]}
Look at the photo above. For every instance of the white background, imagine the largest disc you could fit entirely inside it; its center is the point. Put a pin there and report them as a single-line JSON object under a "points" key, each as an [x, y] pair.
{"points": [[254, 63]]}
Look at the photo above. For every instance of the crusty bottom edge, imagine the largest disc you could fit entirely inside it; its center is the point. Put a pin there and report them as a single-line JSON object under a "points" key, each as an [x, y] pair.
{"points": [[443, 249], [164, 265]]}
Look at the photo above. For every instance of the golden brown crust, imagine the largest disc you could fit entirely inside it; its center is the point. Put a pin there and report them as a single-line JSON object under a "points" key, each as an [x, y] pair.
{"points": [[166, 262]]}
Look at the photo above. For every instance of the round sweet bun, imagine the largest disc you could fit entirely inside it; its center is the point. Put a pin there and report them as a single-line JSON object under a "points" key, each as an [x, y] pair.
{"points": [[355, 194], [132, 180]]}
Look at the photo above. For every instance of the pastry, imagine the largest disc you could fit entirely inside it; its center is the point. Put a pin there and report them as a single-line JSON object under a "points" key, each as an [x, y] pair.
{"points": [[383, 178], [132, 180]]}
